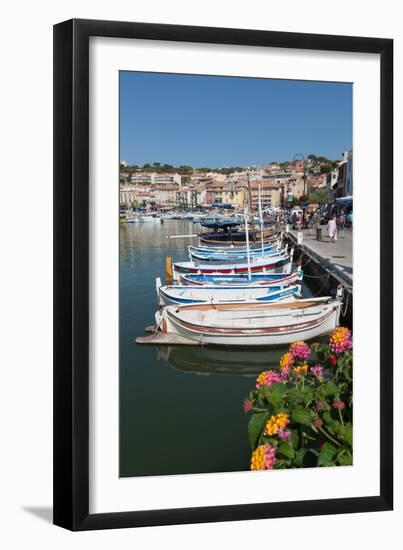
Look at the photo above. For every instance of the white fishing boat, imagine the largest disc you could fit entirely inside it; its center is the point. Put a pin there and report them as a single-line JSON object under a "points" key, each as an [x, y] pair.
{"points": [[272, 264], [255, 279], [251, 324], [253, 247], [180, 295], [148, 218], [132, 219], [233, 255]]}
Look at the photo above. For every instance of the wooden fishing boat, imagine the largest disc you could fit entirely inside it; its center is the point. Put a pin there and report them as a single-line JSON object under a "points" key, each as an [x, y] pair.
{"points": [[274, 264], [253, 247], [251, 324], [237, 238], [180, 295], [256, 279], [233, 256]]}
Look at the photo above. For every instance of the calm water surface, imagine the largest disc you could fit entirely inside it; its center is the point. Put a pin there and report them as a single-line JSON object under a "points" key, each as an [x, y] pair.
{"points": [[180, 407]]}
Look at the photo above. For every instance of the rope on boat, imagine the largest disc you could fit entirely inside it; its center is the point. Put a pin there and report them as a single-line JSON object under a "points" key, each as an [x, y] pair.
{"points": [[322, 287], [316, 276]]}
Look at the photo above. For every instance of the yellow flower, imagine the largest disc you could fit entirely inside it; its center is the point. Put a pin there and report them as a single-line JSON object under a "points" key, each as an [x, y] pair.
{"points": [[286, 361], [301, 370], [257, 460], [276, 423]]}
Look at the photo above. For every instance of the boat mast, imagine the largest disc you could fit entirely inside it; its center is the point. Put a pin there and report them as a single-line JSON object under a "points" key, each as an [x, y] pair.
{"points": [[251, 207], [247, 242], [261, 219]]}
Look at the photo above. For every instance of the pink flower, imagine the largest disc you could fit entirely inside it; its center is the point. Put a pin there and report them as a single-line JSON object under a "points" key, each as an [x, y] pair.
{"points": [[269, 457], [283, 434], [300, 350], [247, 405], [318, 422], [320, 405], [267, 378], [317, 371], [337, 404]]}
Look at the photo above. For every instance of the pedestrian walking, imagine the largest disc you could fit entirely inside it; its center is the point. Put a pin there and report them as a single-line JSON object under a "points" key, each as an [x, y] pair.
{"points": [[342, 223], [332, 228], [311, 223]]}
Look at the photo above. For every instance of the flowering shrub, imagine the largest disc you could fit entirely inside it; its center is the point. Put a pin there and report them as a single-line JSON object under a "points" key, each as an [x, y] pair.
{"points": [[302, 413]]}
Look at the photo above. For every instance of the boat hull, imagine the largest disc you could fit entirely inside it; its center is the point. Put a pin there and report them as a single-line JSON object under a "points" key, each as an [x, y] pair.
{"points": [[230, 257], [180, 295], [305, 326], [265, 280], [274, 265], [235, 238]]}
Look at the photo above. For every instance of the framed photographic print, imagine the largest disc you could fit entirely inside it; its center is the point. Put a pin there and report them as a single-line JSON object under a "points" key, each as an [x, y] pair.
{"points": [[223, 266]]}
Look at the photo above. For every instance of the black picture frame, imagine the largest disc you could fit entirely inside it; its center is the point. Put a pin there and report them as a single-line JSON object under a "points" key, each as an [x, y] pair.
{"points": [[71, 274]]}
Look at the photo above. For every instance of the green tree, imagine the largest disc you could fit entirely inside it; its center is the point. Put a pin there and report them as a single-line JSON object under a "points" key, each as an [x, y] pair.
{"points": [[321, 196], [326, 168]]}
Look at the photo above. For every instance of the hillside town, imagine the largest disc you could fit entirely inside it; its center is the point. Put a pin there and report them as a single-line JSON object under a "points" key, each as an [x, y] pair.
{"points": [[159, 187]]}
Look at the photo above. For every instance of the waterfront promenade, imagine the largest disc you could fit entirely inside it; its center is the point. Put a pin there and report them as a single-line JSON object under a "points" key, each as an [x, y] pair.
{"points": [[337, 257]]}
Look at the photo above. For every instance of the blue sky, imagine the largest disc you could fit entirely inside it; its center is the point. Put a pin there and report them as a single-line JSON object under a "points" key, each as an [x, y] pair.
{"points": [[230, 121]]}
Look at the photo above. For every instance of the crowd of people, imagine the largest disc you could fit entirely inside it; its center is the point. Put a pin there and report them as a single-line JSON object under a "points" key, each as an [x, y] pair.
{"points": [[337, 221]]}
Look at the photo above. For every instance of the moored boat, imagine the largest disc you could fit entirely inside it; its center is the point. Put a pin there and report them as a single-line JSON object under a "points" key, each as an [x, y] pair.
{"points": [[179, 295], [231, 255], [274, 264], [251, 324], [254, 248], [240, 280], [237, 238]]}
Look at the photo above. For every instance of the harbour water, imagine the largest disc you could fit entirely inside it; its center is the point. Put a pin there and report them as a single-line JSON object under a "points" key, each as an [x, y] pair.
{"points": [[180, 407]]}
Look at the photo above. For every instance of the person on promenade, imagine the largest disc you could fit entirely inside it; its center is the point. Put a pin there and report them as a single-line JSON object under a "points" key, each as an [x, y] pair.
{"points": [[342, 223], [311, 223], [299, 222], [332, 228]]}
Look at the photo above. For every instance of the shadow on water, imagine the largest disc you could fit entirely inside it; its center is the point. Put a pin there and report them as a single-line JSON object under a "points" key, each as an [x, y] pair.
{"points": [[209, 360]]}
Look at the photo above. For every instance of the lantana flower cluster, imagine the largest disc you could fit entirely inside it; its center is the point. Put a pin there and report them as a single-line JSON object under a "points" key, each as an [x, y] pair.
{"points": [[267, 378], [310, 411], [263, 458], [340, 340]]}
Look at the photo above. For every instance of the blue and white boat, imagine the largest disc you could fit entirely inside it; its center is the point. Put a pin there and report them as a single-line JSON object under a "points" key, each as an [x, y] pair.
{"points": [[242, 280], [235, 251], [234, 256], [181, 295]]}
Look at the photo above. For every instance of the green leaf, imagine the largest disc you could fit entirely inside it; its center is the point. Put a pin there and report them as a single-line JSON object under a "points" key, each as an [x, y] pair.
{"points": [[278, 388], [294, 438], [327, 454], [301, 416], [286, 450], [255, 427], [344, 459], [307, 395], [348, 433], [299, 457], [330, 388]]}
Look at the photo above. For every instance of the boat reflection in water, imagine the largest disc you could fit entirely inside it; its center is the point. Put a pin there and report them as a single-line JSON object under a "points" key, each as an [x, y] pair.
{"points": [[210, 360]]}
